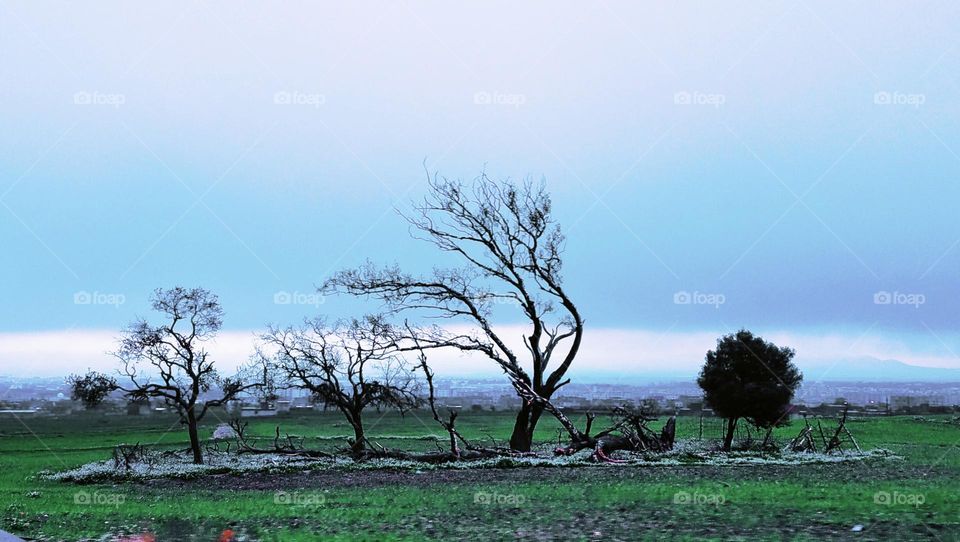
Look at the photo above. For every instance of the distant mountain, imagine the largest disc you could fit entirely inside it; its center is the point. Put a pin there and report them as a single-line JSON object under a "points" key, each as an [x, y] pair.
{"points": [[871, 369], [857, 369]]}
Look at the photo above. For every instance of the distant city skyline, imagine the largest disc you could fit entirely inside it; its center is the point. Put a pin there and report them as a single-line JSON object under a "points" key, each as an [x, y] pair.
{"points": [[495, 392]]}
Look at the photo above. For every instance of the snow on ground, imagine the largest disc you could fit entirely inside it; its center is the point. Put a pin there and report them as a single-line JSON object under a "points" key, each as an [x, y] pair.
{"points": [[180, 465]]}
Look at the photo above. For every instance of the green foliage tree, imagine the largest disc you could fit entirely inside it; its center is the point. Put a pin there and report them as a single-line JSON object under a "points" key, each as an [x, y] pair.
{"points": [[749, 378], [91, 389]]}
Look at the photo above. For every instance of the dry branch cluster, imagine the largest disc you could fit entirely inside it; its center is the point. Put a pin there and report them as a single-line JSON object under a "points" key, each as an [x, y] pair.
{"points": [[806, 440]]}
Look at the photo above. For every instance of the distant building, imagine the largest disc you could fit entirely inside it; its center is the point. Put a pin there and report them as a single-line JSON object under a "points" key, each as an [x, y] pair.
{"points": [[257, 411], [22, 412], [138, 408], [903, 402]]}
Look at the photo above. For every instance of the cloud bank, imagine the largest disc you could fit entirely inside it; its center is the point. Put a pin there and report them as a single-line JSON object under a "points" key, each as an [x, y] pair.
{"points": [[604, 351]]}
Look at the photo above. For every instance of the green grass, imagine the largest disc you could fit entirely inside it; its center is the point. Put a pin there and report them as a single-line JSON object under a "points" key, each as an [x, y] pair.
{"points": [[803, 502]]}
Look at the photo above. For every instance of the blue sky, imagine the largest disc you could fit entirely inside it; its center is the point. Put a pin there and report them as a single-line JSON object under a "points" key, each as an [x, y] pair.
{"points": [[795, 160]]}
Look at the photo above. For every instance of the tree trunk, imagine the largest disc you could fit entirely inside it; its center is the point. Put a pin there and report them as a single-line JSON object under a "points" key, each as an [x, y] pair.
{"points": [[766, 439], [522, 437], [728, 438], [359, 438], [194, 437], [668, 435]]}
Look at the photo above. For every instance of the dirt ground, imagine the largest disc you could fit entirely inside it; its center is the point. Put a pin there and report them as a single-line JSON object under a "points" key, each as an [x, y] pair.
{"points": [[330, 479]]}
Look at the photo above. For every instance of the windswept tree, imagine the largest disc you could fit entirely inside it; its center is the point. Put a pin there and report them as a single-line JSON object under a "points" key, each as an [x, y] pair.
{"points": [[169, 360], [505, 235], [749, 378], [351, 365]]}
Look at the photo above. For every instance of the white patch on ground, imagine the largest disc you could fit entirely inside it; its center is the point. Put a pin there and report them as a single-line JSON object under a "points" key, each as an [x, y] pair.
{"points": [[180, 465], [167, 465], [224, 432]]}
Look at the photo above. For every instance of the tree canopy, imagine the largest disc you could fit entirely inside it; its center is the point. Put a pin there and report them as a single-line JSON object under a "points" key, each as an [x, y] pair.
{"points": [[748, 378]]}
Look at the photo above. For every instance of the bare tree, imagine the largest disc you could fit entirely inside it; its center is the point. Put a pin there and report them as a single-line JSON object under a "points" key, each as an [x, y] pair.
{"points": [[511, 248], [169, 360], [351, 365]]}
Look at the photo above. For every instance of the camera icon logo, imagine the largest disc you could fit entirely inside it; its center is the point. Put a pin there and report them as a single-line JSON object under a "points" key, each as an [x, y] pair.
{"points": [[82, 497], [881, 98], [483, 98], [682, 298], [883, 498], [282, 298], [82, 298], [882, 298]]}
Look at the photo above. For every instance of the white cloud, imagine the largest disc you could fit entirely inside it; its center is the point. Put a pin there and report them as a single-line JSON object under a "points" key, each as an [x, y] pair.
{"points": [[51, 353], [54, 353]]}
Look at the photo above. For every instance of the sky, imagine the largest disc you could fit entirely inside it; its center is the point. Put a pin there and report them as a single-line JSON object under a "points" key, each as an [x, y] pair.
{"points": [[788, 167]]}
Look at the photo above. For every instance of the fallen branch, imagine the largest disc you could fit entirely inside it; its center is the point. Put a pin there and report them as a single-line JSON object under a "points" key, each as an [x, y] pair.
{"points": [[836, 441], [468, 450], [634, 433], [288, 447]]}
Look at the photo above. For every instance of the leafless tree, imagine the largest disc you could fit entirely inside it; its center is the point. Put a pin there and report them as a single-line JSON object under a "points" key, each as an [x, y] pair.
{"points": [[351, 365], [511, 247], [169, 360]]}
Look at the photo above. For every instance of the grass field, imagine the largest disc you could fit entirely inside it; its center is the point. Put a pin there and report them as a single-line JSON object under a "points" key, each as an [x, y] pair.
{"points": [[910, 498]]}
